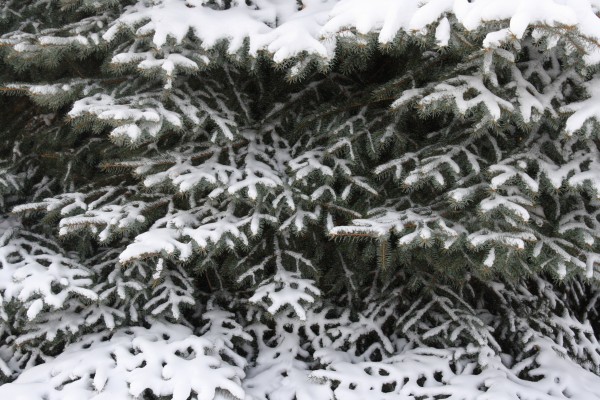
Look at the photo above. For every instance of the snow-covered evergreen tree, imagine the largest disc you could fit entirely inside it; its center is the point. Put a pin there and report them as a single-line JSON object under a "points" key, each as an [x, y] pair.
{"points": [[299, 199]]}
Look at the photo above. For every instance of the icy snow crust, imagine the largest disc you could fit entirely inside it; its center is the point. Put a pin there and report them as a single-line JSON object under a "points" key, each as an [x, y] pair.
{"points": [[285, 29]]}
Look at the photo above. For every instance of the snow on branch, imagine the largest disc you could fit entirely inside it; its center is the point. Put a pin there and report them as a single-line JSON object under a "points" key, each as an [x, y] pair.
{"points": [[287, 30], [164, 359]]}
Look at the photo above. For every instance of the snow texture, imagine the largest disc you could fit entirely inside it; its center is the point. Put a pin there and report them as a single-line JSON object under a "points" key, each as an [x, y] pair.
{"points": [[521, 117], [166, 359], [285, 29]]}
